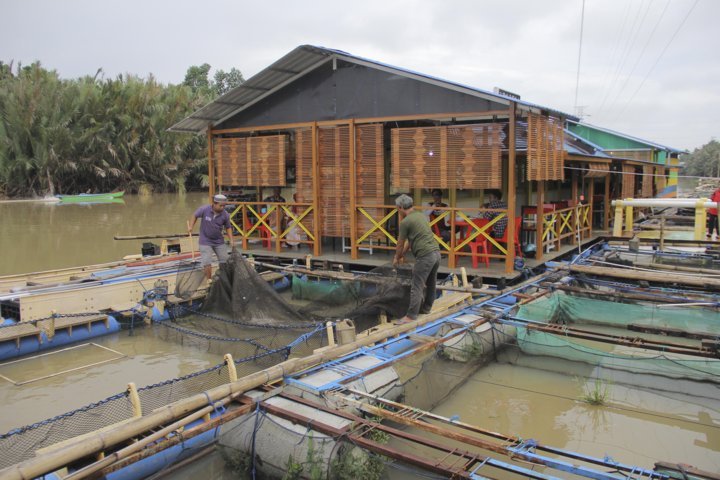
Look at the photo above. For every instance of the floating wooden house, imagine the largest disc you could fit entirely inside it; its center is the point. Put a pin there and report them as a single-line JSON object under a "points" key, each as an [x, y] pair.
{"points": [[344, 135]]}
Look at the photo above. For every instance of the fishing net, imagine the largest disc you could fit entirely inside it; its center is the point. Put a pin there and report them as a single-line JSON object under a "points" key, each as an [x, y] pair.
{"points": [[190, 276], [559, 307], [241, 294]]}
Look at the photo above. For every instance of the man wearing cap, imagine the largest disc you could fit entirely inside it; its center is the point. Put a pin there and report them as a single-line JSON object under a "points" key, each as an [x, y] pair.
{"points": [[415, 233], [213, 218]]}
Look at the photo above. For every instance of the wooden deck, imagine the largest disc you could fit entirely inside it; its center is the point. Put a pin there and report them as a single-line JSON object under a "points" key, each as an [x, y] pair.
{"points": [[377, 258]]}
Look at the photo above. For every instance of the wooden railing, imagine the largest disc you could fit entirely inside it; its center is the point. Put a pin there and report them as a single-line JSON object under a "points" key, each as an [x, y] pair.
{"points": [[271, 223], [567, 225], [463, 230]]}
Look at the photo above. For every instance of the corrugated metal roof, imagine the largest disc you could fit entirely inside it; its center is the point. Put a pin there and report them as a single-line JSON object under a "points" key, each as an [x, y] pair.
{"points": [[575, 144], [297, 63], [629, 137]]}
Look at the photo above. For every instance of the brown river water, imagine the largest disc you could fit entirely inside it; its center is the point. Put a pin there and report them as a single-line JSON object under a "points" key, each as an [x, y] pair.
{"points": [[531, 398]]}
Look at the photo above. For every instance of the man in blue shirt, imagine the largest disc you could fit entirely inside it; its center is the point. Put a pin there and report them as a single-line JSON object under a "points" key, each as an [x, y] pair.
{"points": [[213, 219]]}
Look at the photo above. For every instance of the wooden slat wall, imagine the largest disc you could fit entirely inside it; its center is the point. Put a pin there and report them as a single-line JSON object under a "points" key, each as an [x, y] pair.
{"points": [[230, 157], [628, 182], [334, 158], [660, 182], [463, 156], [370, 172], [647, 181], [597, 170], [257, 161], [475, 156], [304, 171], [642, 155], [266, 160], [545, 159]]}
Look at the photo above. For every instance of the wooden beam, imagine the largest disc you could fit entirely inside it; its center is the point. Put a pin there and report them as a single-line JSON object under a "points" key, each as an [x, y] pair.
{"points": [[398, 118], [510, 257], [317, 231], [606, 204], [211, 162], [353, 192], [539, 225]]}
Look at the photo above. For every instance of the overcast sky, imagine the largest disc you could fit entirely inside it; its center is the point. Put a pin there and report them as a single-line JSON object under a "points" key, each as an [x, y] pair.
{"points": [[649, 68]]}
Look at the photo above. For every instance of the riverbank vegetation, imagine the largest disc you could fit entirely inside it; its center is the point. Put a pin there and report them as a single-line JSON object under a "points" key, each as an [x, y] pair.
{"points": [[703, 161], [94, 134]]}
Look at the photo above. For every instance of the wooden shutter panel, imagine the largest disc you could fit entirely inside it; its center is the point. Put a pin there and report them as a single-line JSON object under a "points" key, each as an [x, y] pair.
{"points": [[628, 181], [266, 160], [230, 161], [463, 156], [304, 171], [370, 172], [647, 181], [545, 152], [334, 159], [474, 156]]}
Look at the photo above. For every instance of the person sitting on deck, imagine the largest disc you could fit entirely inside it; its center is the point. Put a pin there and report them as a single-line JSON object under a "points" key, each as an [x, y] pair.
{"points": [[442, 226], [272, 218], [496, 202], [415, 233], [213, 218]]}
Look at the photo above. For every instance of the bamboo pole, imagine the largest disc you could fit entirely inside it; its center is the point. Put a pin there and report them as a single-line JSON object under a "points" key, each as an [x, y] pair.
{"points": [[100, 441], [703, 282], [369, 279], [139, 445], [152, 236]]}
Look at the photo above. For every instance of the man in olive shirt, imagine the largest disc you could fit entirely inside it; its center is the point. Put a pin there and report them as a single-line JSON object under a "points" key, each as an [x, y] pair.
{"points": [[415, 233]]}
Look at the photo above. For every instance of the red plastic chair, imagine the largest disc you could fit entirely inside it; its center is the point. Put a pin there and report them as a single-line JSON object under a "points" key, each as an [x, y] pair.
{"points": [[479, 245], [264, 234], [504, 239]]}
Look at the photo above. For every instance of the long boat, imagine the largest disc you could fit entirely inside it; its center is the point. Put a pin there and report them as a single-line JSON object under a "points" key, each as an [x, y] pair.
{"points": [[91, 197]]}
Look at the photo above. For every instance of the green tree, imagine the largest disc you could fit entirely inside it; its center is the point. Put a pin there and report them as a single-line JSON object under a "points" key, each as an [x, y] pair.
{"points": [[197, 79], [94, 134], [226, 81], [703, 161]]}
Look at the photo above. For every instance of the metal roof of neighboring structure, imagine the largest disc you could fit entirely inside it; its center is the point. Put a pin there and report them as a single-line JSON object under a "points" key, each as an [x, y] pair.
{"points": [[301, 61], [579, 146], [629, 137]]}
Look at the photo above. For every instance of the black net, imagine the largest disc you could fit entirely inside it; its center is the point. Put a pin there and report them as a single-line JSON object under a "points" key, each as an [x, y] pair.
{"points": [[240, 294], [244, 316], [189, 278]]}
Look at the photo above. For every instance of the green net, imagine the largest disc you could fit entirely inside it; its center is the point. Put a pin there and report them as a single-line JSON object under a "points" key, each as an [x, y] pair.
{"points": [[559, 307], [533, 342]]}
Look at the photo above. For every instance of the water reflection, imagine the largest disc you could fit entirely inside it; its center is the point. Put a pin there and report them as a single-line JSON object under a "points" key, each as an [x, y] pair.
{"points": [[43, 236]]}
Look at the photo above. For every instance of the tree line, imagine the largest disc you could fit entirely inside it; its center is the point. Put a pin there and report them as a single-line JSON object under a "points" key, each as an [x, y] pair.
{"points": [[93, 134], [703, 161]]}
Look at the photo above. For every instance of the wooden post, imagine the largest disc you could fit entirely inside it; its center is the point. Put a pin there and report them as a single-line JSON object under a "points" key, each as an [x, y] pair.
{"points": [[353, 193], [317, 245], [629, 219], [573, 188], [211, 162], [330, 334], [539, 219], [617, 224], [591, 196], [134, 400], [700, 219], [232, 371], [606, 204], [510, 257]]}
